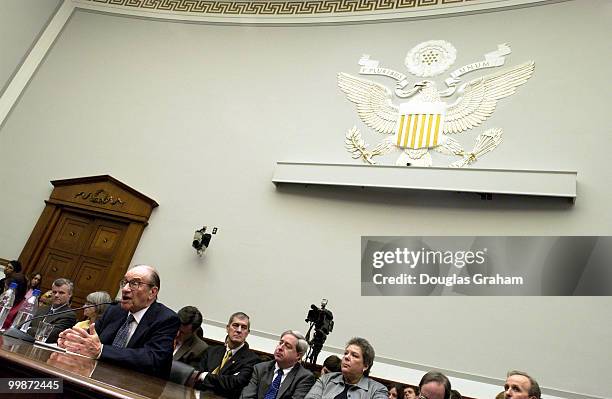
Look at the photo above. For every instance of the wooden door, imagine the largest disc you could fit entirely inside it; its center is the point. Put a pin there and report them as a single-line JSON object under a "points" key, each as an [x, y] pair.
{"points": [[82, 248]]}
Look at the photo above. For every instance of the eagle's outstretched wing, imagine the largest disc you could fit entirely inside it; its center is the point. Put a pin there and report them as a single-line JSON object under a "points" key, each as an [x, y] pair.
{"points": [[480, 97], [373, 100]]}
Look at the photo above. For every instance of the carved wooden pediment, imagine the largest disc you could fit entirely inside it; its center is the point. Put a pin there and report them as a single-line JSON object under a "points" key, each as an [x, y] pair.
{"points": [[105, 193]]}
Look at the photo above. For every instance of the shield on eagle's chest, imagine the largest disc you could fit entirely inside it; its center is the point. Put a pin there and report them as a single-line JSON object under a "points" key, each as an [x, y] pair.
{"points": [[420, 124]]}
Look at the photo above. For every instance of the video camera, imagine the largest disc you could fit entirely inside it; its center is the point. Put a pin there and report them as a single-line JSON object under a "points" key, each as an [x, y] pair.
{"points": [[323, 322]]}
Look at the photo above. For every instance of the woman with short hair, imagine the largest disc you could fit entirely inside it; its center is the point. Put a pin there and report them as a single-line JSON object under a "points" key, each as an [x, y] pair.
{"points": [[353, 376], [99, 298]]}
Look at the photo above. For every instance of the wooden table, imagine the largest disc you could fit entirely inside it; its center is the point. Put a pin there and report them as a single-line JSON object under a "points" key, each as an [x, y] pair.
{"points": [[82, 377]]}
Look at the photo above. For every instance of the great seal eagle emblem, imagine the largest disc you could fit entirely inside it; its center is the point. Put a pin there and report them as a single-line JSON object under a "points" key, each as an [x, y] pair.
{"points": [[425, 118]]}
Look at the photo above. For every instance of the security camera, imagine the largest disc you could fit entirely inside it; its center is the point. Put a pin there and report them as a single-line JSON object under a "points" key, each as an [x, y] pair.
{"points": [[201, 240], [197, 238]]}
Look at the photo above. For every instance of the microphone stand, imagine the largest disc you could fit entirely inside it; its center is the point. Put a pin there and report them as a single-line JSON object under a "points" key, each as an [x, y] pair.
{"points": [[15, 332]]}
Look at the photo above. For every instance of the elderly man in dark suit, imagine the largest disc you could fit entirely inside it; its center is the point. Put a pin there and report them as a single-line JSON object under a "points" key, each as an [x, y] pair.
{"points": [[60, 302], [188, 347], [225, 370], [137, 334], [284, 377]]}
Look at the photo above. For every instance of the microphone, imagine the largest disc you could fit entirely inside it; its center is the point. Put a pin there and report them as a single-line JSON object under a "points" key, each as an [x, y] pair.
{"points": [[15, 332]]}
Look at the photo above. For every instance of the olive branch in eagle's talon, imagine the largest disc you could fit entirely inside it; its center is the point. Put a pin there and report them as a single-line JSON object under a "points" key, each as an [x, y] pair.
{"points": [[358, 148]]}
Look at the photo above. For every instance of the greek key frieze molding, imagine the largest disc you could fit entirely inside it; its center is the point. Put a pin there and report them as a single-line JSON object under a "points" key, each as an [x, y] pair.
{"points": [[276, 7], [290, 11]]}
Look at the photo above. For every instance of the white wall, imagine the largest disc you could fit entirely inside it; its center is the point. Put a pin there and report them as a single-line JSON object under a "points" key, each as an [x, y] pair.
{"points": [[195, 116], [20, 24]]}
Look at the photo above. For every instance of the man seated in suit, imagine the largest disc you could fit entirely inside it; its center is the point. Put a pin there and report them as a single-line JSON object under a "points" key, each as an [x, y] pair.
{"points": [[136, 334], [225, 370], [284, 377], [188, 347], [435, 385], [520, 385], [62, 292]]}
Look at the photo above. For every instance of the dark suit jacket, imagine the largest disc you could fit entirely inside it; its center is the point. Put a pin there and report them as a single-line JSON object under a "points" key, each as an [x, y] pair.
{"points": [[233, 376], [295, 385], [191, 351], [150, 348], [60, 322]]}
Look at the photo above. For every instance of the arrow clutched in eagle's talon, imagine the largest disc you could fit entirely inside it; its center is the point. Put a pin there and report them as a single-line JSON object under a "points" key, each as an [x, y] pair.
{"points": [[485, 143]]}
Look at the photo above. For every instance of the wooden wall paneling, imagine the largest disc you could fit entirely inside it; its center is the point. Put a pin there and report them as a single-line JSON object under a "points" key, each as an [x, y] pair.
{"points": [[35, 245], [71, 233], [55, 264], [105, 240], [125, 252], [89, 276]]}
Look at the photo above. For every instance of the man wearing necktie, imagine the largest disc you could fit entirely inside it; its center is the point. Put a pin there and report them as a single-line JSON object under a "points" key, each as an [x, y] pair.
{"points": [[226, 369], [62, 292], [136, 334], [284, 377]]}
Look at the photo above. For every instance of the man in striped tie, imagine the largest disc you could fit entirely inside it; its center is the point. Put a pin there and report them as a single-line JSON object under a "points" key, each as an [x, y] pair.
{"points": [[226, 369], [284, 377], [136, 334]]}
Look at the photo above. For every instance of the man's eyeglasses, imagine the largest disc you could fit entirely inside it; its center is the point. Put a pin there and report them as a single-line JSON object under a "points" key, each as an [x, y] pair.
{"points": [[134, 284], [421, 396]]}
